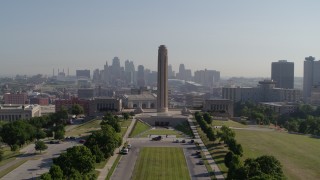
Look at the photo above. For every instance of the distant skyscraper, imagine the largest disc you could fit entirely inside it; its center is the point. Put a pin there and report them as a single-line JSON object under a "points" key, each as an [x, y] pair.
{"points": [[311, 76], [162, 92], [282, 72], [116, 69], [105, 75], [170, 72], [83, 73], [182, 72], [141, 80]]}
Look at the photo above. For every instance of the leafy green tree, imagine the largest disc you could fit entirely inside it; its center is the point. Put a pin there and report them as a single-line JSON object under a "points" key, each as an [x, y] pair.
{"points": [[207, 117], [40, 134], [234, 147], [228, 158], [210, 134], [17, 133], [112, 121], [77, 158], [126, 116], [59, 135], [40, 146], [45, 176], [56, 172], [77, 109], [226, 134], [106, 139]]}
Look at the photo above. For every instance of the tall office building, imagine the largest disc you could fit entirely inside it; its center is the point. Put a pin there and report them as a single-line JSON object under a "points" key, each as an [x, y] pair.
{"points": [[282, 72], [311, 76], [140, 76], [162, 94], [83, 73]]}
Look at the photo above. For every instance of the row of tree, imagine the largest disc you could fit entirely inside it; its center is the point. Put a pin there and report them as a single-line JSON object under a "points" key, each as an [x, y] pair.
{"points": [[206, 128]]}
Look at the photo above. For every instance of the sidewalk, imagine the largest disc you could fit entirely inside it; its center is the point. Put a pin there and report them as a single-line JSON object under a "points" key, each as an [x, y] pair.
{"points": [[104, 172], [212, 163]]}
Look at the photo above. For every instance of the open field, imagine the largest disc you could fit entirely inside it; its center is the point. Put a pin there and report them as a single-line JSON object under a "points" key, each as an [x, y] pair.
{"points": [[299, 154], [228, 123], [139, 127], [124, 126], [161, 163], [85, 128]]}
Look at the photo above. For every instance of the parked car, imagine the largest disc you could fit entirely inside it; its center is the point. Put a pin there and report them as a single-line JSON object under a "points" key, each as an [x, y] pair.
{"points": [[129, 146], [183, 141], [158, 138], [124, 151], [82, 141], [192, 141], [176, 141], [201, 162]]}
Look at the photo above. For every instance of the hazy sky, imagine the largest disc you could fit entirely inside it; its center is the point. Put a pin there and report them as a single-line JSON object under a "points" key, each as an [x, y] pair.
{"points": [[238, 38]]}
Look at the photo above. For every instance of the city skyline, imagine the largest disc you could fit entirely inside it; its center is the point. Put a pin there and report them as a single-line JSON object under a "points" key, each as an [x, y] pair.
{"points": [[39, 36]]}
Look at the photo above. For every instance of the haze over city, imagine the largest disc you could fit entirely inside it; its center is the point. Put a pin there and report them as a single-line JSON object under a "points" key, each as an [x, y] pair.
{"points": [[236, 38]]}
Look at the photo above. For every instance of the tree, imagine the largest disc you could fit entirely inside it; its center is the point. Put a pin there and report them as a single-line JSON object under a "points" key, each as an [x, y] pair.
{"points": [[228, 158], [225, 134], [77, 109], [77, 158], [17, 133], [106, 139], [207, 117], [112, 121], [210, 134], [126, 116], [45, 176], [40, 146], [40, 134], [56, 172], [59, 135]]}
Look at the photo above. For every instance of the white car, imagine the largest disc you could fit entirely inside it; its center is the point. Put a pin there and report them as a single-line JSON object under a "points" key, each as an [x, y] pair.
{"points": [[129, 146], [125, 151]]}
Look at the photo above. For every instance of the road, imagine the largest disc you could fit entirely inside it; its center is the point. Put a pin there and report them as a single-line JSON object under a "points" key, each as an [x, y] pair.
{"points": [[126, 165], [41, 162]]}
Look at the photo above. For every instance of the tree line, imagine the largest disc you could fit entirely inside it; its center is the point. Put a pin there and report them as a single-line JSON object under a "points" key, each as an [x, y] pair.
{"points": [[305, 119]]}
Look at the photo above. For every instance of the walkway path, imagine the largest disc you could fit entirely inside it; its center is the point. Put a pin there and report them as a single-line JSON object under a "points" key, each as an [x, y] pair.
{"points": [[217, 173], [104, 171]]}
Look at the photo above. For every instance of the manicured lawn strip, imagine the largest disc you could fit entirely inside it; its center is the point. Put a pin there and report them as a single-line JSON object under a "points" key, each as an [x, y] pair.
{"points": [[87, 127], [299, 154], [11, 168], [161, 163], [138, 128], [185, 128], [217, 151], [125, 123], [124, 126], [9, 155], [101, 164], [113, 166], [228, 123]]}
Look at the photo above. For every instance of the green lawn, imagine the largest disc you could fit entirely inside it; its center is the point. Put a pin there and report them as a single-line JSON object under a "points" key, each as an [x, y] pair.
{"points": [[299, 154], [178, 134], [11, 168], [85, 128], [185, 128], [228, 123], [161, 163], [139, 127]]}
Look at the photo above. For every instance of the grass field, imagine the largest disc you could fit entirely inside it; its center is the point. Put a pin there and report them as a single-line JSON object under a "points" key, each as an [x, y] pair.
{"points": [[228, 123], [161, 163], [139, 127], [85, 128], [299, 154], [185, 128]]}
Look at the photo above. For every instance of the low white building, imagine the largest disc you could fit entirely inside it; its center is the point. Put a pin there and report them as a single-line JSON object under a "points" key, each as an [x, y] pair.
{"points": [[9, 112], [144, 101]]}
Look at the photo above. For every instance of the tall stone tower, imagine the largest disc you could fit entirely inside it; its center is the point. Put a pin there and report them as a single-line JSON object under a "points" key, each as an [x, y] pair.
{"points": [[162, 95]]}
